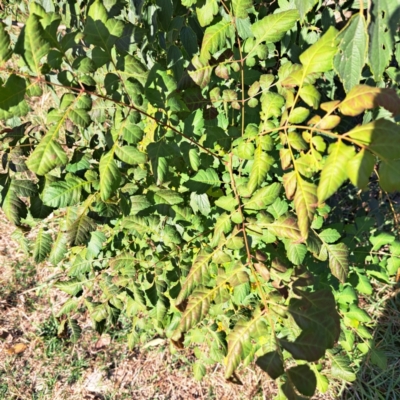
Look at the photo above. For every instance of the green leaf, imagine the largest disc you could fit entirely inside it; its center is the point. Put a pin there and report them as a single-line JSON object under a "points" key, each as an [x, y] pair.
{"points": [[5, 45], [101, 31], [339, 260], [350, 59], [360, 167], [299, 115], [79, 231], [42, 246], [285, 227], [130, 155], [110, 176], [169, 197], [296, 252], [198, 275], [304, 6], [305, 203], [199, 370], [389, 177], [340, 368], [228, 203], [329, 235], [32, 44], [12, 93], [59, 248], [310, 95], [204, 180], [215, 38], [381, 137], [303, 379], [74, 329], [13, 207], [272, 364], [262, 164], [334, 172], [195, 311], [240, 8], [72, 287], [48, 154], [381, 40], [62, 194], [238, 338], [206, 13], [358, 314], [271, 104], [273, 27], [263, 197]]}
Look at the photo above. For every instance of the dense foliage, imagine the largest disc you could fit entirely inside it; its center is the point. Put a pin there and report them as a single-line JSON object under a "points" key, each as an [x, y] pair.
{"points": [[181, 171]]}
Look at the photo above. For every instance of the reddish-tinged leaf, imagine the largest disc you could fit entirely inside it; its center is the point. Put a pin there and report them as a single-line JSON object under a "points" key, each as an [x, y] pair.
{"points": [[305, 202], [363, 97]]}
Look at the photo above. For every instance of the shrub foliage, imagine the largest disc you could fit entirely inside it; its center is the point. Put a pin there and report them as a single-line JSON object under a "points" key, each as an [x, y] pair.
{"points": [[182, 165]]}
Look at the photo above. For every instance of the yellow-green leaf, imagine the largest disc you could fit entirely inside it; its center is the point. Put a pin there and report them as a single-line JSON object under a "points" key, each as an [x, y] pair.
{"points": [[360, 167], [334, 172]]}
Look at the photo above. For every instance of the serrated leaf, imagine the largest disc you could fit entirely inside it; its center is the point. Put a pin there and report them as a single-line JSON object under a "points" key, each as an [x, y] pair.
{"points": [[240, 8], [263, 197], [169, 197], [48, 154], [350, 59], [202, 73], [199, 370], [32, 44], [334, 172], [72, 287], [305, 203], [75, 330], [228, 203], [215, 38], [310, 95], [5, 45], [79, 231], [381, 39], [110, 176], [271, 104], [205, 14], [42, 246], [273, 27], [290, 184], [198, 275], [339, 260], [329, 235], [296, 252], [62, 194], [341, 369], [13, 207], [285, 227], [58, 249], [262, 164], [304, 6], [196, 309], [363, 97], [130, 155], [237, 339]]}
